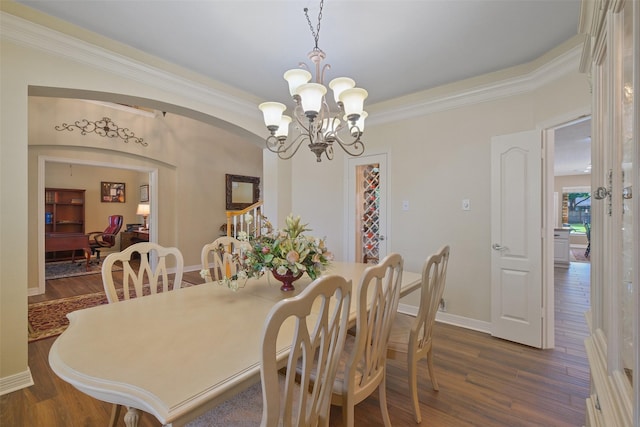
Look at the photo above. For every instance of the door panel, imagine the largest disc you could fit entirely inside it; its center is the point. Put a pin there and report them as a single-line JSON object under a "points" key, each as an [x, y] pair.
{"points": [[516, 237]]}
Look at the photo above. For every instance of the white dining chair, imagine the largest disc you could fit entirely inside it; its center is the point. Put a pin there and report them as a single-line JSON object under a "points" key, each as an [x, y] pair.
{"points": [[144, 280], [319, 317], [220, 258], [417, 343], [363, 362], [152, 271]]}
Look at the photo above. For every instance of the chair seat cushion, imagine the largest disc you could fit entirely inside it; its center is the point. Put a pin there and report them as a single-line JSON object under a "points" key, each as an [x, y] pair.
{"points": [[338, 384], [242, 410]]}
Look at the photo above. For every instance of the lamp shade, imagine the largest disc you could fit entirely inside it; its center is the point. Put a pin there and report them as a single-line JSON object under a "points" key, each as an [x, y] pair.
{"points": [[353, 101], [311, 96], [295, 78], [272, 112], [143, 209], [283, 129], [339, 85], [359, 123]]}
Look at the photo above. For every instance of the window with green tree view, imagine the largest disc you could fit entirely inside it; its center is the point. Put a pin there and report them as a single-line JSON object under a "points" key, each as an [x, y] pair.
{"points": [[576, 210]]}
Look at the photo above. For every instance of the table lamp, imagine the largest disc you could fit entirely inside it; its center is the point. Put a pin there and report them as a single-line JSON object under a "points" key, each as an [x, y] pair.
{"points": [[144, 210]]}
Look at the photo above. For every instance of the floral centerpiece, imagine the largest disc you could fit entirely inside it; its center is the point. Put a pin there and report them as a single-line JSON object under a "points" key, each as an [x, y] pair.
{"points": [[232, 281], [287, 253]]}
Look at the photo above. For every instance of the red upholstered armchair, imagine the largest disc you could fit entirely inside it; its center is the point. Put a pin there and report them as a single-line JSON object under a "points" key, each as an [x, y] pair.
{"points": [[106, 238]]}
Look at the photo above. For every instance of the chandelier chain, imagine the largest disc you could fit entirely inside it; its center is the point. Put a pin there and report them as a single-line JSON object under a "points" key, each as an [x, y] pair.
{"points": [[315, 33]]}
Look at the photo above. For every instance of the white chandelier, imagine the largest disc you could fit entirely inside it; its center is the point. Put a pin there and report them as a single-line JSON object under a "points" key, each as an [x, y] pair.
{"points": [[315, 121]]}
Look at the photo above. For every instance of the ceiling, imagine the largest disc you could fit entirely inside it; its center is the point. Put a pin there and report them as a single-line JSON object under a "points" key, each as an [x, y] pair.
{"points": [[572, 149], [391, 48]]}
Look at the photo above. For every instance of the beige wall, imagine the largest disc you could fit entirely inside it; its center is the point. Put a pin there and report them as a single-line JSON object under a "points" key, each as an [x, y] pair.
{"points": [[435, 161]]}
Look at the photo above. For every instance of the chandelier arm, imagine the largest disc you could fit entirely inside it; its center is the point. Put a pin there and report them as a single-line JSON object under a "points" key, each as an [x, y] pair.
{"points": [[320, 73], [282, 154], [341, 124], [329, 152], [301, 119], [355, 142], [275, 146], [325, 111], [354, 148]]}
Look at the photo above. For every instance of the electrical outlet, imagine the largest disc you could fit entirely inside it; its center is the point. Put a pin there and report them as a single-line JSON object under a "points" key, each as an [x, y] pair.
{"points": [[466, 205], [405, 205], [443, 305]]}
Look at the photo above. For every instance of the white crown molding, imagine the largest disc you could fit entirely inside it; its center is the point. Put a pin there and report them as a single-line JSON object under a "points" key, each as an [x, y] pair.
{"points": [[558, 67], [16, 382], [29, 34], [38, 37]]}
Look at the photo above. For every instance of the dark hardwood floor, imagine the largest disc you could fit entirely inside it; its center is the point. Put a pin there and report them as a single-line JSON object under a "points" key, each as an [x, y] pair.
{"points": [[484, 381]]}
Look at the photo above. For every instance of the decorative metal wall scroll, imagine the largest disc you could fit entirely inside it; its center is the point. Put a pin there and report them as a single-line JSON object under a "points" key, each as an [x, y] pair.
{"points": [[104, 127]]}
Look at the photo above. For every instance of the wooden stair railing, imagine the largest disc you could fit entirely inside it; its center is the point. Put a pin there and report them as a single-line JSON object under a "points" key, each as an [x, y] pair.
{"points": [[236, 221]]}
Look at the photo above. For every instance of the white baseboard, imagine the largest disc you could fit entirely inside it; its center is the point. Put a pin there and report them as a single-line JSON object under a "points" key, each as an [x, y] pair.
{"points": [[188, 268], [34, 291], [451, 319], [16, 382]]}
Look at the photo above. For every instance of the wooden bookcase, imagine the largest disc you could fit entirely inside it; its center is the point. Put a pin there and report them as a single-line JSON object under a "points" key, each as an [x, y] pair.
{"points": [[64, 213]]}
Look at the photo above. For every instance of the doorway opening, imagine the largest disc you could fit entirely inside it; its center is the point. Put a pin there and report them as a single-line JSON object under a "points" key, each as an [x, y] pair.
{"points": [[42, 164], [572, 185], [569, 172]]}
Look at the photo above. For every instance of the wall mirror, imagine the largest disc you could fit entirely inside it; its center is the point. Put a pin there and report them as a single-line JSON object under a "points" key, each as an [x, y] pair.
{"points": [[242, 191]]}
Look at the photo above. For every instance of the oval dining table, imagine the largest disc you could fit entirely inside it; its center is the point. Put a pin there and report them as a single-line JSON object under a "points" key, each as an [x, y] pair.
{"points": [[178, 354]]}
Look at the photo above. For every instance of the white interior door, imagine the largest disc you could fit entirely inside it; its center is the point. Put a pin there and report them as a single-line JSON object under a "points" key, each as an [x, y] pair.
{"points": [[516, 237], [366, 216]]}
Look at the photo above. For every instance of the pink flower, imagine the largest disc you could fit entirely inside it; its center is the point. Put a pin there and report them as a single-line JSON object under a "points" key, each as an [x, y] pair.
{"points": [[266, 249], [293, 257]]}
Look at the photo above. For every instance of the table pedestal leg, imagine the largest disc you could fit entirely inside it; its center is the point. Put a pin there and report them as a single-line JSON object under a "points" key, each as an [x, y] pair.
{"points": [[131, 417]]}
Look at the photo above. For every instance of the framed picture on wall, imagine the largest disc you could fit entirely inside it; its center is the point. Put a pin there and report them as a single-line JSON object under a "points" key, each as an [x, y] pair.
{"points": [[112, 192], [144, 193]]}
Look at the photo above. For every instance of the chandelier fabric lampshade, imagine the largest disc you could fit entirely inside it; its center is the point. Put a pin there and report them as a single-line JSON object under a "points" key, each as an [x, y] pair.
{"points": [[314, 121], [353, 101], [359, 126], [311, 96], [272, 112], [283, 129], [339, 85], [296, 78]]}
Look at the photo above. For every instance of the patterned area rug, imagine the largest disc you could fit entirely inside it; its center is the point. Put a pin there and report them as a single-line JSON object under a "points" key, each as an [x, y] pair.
{"points": [[58, 270], [49, 318]]}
